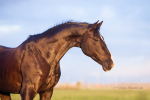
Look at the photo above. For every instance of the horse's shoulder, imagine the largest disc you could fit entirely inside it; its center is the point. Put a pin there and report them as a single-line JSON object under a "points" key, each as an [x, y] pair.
{"points": [[31, 50]]}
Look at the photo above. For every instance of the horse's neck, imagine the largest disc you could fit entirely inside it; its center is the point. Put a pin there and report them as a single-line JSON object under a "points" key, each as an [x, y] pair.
{"points": [[54, 50]]}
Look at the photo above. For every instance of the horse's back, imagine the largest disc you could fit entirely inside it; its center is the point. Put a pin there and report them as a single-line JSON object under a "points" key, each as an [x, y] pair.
{"points": [[10, 72], [3, 47]]}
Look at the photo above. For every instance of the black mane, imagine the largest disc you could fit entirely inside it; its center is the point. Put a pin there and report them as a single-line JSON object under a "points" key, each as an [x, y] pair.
{"points": [[58, 25]]}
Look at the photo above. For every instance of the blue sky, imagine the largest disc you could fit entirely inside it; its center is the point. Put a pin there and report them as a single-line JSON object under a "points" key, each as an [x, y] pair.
{"points": [[126, 30]]}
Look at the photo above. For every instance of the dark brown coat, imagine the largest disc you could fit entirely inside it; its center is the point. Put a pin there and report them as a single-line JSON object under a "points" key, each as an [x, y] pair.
{"points": [[33, 67]]}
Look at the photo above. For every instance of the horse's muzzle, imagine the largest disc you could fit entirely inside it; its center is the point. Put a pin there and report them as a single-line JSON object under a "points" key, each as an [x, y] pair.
{"points": [[107, 66]]}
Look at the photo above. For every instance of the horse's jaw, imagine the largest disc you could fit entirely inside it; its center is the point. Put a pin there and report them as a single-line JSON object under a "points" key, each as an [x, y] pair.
{"points": [[107, 66]]}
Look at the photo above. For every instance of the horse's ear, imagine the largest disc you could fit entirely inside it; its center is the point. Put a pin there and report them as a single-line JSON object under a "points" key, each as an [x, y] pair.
{"points": [[98, 25], [93, 26]]}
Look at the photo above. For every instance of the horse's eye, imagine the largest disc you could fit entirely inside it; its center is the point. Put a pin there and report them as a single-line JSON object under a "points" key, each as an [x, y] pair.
{"points": [[96, 39]]}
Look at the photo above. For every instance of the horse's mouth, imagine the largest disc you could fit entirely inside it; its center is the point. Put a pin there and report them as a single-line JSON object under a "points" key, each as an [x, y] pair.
{"points": [[108, 67], [105, 69]]}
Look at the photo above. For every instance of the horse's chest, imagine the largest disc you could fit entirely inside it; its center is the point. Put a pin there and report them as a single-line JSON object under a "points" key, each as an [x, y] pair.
{"points": [[51, 80]]}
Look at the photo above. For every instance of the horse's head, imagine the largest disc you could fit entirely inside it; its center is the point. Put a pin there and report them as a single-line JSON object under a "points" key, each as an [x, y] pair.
{"points": [[93, 45]]}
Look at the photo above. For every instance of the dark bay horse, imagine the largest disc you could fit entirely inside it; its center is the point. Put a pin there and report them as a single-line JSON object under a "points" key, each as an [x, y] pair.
{"points": [[33, 67]]}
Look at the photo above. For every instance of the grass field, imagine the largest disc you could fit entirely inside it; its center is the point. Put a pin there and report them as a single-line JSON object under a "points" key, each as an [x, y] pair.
{"points": [[60, 94]]}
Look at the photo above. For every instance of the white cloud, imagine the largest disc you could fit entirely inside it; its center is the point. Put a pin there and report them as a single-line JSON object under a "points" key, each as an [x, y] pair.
{"points": [[9, 29]]}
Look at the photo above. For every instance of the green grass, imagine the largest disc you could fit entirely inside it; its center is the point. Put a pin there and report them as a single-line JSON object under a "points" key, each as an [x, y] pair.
{"points": [[60, 94]]}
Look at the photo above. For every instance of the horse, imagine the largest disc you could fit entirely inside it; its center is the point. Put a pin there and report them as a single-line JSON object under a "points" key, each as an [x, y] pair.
{"points": [[33, 67]]}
